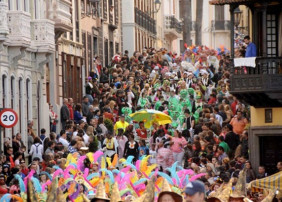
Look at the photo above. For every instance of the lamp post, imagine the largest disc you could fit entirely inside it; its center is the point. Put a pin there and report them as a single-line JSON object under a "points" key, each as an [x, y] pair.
{"points": [[157, 4], [157, 7], [237, 17]]}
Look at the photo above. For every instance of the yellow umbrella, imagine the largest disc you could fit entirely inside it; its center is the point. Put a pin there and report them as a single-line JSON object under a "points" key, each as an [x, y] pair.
{"points": [[149, 116]]}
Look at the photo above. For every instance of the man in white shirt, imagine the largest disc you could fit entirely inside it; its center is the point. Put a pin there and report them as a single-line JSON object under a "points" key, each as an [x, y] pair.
{"points": [[63, 138], [217, 116]]}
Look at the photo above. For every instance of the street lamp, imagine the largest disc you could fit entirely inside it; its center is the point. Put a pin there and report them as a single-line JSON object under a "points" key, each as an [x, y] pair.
{"points": [[237, 17], [158, 4]]}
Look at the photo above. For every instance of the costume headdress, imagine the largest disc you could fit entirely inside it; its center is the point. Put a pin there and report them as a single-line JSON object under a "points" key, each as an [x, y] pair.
{"points": [[115, 196], [240, 187], [166, 189], [222, 194], [101, 193]]}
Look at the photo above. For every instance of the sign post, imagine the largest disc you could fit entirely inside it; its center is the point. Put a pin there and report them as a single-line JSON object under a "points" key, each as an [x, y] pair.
{"points": [[8, 119]]}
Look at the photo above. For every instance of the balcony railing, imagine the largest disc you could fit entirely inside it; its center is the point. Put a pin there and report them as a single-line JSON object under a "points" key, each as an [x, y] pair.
{"points": [[144, 20], [266, 76], [220, 25], [60, 13], [173, 27], [43, 36], [4, 29], [19, 28]]}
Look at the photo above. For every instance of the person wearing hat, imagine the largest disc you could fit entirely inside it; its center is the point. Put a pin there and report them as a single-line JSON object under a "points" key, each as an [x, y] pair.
{"points": [[166, 195], [115, 195], [195, 191], [239, 192], [100, 193], [189, 80], [121, 124]]}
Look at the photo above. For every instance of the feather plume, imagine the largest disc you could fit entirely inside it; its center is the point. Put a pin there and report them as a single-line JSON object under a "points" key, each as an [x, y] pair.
{"points": [[138, 165], [130, 165], [30, 174], [86, 172], [21, 183], [94, 182], [109, 162], [196, 176], [91, 176], [56, 167], [125, 191], [164, 175], [6, 198], [80, 164], [115, 171], [103, 166], [110, 174], [142, 180], [16, 198], [115, 161], [144, 163], [36, 184], [130, 159], [57, 172], [150, 168], [97, 155], [90, 156], [134, 189], [125, 170], [71, 188]]}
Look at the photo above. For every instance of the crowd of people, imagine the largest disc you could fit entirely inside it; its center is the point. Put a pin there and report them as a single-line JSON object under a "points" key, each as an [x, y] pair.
{"points": [[208, 132]]}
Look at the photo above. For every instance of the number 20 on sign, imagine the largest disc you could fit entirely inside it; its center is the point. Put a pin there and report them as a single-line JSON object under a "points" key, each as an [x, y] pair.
{"points": [[8, 118]]}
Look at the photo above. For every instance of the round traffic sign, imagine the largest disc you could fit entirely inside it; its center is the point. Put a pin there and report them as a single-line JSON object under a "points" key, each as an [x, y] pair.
{"points": [[8, 118]]}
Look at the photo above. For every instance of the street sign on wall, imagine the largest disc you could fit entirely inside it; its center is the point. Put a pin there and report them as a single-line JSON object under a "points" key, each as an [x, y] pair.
{"points": [[8, 118]]}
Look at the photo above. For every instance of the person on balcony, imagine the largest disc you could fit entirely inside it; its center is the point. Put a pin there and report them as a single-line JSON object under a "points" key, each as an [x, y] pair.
{"points": [[251, 50]]}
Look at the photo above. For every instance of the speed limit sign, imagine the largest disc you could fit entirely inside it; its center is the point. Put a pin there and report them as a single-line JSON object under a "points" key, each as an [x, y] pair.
{"points": [[8, 118]]}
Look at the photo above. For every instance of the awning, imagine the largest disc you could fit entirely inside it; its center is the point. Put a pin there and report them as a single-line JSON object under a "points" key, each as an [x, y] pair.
{"points": [[272, 182], [222, 2]]}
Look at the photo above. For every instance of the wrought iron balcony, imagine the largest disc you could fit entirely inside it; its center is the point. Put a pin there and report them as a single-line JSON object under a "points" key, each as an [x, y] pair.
{"points": [[4, 29], [19, 28], [145, 21], [218, 25], [260, 86], [60, 13], [43, 37], [173, 27]]}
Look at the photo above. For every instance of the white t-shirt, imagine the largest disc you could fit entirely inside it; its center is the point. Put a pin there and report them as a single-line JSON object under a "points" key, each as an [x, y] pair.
{"points": [[36, 150], [86, 139], [64, 142], [74, 134]]}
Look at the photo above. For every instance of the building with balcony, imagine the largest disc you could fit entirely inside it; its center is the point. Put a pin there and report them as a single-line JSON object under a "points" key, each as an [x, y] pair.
{"points": [[210, 25], [172, 25], [261, 86], [139, 26], [69, 60], [27, 49], [101, 31]]}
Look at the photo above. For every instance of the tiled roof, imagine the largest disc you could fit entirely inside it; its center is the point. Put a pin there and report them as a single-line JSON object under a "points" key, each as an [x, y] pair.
{"points": [[222, 2]]}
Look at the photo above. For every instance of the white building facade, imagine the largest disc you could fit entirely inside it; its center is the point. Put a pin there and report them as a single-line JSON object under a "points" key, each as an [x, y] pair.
{"points": [[27, 55], [139, 27], [215, 25], [172, 26]]}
